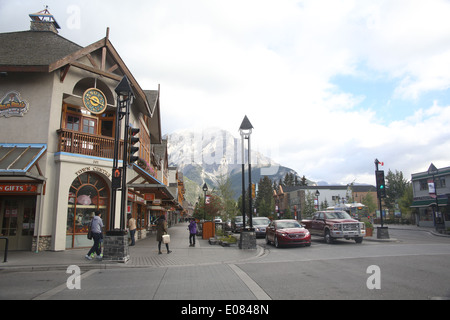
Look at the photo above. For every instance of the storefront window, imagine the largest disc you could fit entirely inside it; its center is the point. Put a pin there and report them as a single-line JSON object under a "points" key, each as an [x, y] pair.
{"points": [[87, 194]]}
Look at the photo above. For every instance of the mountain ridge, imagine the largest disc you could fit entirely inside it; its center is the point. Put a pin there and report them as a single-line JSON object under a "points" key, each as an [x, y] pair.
{"points": [[208, 155]]}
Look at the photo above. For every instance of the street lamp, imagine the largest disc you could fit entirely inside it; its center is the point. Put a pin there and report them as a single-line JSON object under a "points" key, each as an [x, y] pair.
{"points": [[432, 171], [124, 99], [317, 196], [205, 189], [246, 130]]}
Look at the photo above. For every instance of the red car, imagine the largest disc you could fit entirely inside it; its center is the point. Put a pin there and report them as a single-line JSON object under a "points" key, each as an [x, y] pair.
{"points": [[287, 232]]}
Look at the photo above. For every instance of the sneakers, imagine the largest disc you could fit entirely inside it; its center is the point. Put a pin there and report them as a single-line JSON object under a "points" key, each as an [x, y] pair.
{"points": [[91, 256]]}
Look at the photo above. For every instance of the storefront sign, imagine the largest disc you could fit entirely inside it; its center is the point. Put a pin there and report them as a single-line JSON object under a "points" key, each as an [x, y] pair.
{"points": [[149, 196], [13, 105], [18, 188], [96, 169]]}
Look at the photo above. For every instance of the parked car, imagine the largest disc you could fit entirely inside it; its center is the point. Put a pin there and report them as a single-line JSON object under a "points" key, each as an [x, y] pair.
{"points": [[236, 224], [287, 232], [260, 225], [335, 225]]}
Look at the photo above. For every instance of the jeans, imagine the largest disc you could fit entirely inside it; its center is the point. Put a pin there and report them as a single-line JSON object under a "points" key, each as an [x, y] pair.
{"points": [[96, 247], [192, 238], [132, 233]]}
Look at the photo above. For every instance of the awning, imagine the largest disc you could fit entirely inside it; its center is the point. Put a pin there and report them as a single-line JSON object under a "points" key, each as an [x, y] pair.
{"points": [[18, 160], [419, 203], [150, 185]]}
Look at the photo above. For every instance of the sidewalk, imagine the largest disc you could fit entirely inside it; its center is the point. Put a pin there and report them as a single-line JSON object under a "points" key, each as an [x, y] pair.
{"points": [[431, 230], [143, 254]]}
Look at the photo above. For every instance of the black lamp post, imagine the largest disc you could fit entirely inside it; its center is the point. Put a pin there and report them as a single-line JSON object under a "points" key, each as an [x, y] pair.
{"points": [[205, 189], [317, 196], [125, 97], [432, 171], [248, 235], [246, 130], [115, 246]]}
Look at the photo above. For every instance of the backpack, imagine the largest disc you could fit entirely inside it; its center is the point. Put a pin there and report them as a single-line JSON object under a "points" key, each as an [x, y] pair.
{"points": [[89, 234]]}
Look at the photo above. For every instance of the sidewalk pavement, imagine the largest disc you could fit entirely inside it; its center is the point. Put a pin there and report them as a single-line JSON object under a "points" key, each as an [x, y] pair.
{"points": [[431, 230], [143, 254]]}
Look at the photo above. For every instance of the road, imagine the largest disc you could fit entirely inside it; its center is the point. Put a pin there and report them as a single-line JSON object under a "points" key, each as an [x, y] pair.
{"points": [[415, 267]]}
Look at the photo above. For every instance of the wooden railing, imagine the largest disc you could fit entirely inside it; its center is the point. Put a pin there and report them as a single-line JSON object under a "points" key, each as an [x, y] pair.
{"points": [[87, 144]]}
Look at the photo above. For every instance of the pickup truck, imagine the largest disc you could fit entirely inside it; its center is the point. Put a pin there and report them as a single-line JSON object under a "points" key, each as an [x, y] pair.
{"points": [[335, 224]]}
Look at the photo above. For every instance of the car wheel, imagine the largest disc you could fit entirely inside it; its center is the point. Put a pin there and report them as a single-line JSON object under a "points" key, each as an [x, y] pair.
{"points": [[328, 237], [359, 240], [277, 245]]}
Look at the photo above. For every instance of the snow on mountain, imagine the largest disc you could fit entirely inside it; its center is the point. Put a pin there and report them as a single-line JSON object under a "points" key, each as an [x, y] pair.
{"points": [[217, 151]]}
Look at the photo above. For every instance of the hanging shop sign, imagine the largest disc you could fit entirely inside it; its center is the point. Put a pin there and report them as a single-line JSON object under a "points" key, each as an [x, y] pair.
{"points": [[12, 105], [18, 188]]}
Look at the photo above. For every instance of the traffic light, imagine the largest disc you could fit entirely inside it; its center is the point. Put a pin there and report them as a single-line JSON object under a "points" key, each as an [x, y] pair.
{"points": [[253, 191], [132, 140], [381, 186]]}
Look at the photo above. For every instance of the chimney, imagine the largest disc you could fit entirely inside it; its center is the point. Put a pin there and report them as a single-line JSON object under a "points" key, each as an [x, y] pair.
{"points": [[43, 21]]}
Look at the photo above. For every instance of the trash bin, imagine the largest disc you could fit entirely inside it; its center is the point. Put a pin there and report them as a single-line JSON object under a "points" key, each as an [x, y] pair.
{"points": [[209, 229]]}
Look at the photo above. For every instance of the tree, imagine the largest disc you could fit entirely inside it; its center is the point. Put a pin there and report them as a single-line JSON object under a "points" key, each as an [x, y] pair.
{"points": [[395, 188], [304, 182], [406, 201], [309, 208], [226, 194], [264, 202]]}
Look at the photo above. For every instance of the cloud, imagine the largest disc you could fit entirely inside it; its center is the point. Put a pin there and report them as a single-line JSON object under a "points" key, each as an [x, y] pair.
{"points": [[277, 63]]}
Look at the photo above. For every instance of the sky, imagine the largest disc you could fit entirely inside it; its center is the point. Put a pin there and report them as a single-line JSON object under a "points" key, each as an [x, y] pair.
{"points": [[328, 85]]}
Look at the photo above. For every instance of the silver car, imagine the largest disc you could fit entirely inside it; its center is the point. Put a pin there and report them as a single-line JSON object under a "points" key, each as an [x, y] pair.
{"points": [[260, 224]]}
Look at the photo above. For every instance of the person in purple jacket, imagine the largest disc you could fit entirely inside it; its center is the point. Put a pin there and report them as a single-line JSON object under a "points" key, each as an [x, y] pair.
{"points": [[192, 232]]}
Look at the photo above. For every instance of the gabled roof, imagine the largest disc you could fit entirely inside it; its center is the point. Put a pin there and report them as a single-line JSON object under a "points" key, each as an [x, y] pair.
{"points": [[155, 115], [45, 51], [33, 51]]}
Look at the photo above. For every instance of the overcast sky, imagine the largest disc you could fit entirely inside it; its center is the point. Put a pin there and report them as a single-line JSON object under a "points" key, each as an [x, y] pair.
{"points": [[329, 85]]}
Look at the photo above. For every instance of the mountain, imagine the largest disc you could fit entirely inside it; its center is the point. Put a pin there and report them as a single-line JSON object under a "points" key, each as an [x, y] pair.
{"points": [[208, 155]]}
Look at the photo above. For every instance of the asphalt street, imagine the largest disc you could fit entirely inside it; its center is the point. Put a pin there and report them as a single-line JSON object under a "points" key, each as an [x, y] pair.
{"points": [[413, 266]]}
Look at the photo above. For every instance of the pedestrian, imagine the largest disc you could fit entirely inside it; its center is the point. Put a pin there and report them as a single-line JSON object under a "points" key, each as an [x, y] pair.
{"points": [[192, 232], [161, 229], [132, 228], [97, 236]]}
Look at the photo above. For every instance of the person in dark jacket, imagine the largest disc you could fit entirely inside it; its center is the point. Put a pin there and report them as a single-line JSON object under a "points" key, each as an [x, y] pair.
{"points": [[161, 229]]}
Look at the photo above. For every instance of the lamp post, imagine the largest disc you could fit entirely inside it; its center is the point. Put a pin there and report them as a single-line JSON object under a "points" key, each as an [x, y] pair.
{"points": [[317, 196], [432, 171], [124, 98], [115, 245], [248, 235], [205, 189], [246, 130]]}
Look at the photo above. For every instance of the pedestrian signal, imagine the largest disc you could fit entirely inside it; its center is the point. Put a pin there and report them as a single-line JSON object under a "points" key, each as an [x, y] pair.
{"points": [[116, 178]]}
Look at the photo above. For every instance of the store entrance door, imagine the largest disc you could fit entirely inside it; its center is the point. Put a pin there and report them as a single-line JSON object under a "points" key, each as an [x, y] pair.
{"points": [[17, 217]]}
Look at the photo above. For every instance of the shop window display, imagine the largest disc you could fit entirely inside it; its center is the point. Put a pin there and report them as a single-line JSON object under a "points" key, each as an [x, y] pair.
{"points": [[87, 194]]}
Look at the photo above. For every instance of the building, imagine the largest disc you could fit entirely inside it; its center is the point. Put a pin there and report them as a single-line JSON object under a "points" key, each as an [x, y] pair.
{"points": [[424, 197], [56, 148], [294, 200]]}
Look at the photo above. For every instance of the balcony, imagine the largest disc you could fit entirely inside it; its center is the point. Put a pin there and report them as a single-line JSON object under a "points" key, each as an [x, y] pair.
{"points": [[87, 144]]}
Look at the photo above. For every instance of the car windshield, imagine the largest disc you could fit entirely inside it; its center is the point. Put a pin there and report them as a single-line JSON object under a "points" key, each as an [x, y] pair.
{"points": [[337, 215], [288, 224], [238, 219], [261, 221]]}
